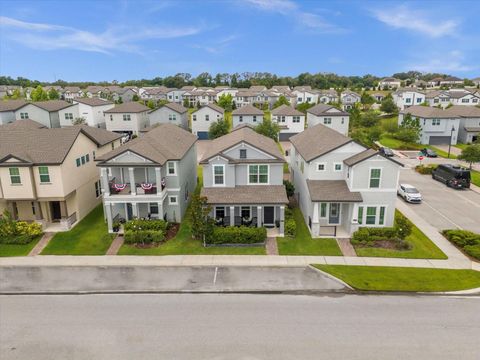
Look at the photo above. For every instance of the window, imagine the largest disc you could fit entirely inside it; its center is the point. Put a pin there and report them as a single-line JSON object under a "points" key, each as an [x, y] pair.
{"points": [[408, 100], [245, 212], [337, 167], [327, 121], [360, 215], [172, 200], [113, 145], [194, 117], [44, 175], [321, 167], [435, 122], [83, 160], [436, 101], [78, 162], [381, 219], [15, 176], [299, 99], [309, 99], [23, 115], [375, 175], [323, 210], [419, 100], [282, 119], [243, 153], [475, 100], [296, 119], [343, 120], [126, 117], [93, 154], [207, 118], [258, 174], [219, 212], [302, 167], [218, 174], [371, 215], [240, 118], [98, 189], [153, 208], [465, 100], [34, 210], [111, 117], [172, 117], [254, 118], [87, 157], [171, 168], [68, 116]]}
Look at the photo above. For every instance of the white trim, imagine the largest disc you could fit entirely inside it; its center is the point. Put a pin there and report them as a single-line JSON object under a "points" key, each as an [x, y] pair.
{"points": [[339, 213], [244, 144], [364, 215], [174, 167], [263, 214], [258, 174], [335, 164], [320, 210], [213, 175], [173, 196], [370, 177], [321, 163]]}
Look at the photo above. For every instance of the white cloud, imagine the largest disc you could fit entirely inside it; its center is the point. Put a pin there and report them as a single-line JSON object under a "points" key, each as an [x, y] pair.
{"points": [[50, 37], [401, 17], [453, 61], [218, 45]]}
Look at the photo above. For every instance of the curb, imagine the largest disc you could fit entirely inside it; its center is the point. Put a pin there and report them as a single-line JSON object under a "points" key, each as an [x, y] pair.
{"points": [[331, 277]]}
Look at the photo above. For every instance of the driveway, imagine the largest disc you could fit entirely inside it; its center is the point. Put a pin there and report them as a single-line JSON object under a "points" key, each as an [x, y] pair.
{"points": [[443, 207]]}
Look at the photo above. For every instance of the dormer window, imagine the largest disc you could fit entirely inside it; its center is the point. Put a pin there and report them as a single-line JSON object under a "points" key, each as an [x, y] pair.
{"points": [[243, 153]]}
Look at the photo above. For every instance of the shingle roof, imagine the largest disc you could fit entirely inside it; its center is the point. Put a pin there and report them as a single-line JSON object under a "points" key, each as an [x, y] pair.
{"points": [[247, 110], [128, 107], [433, 112], [176, 107], [246, 194], [36, 144], [321, 109], [52, 105], [318, 140], [93, 101], [164, 142], [239, 135], [331, 191], [364, 155], [11, 105], [285, 110], [213, 107]]}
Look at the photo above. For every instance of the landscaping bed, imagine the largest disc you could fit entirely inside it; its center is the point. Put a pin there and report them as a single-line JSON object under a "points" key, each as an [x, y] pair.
{"points": [[467, 241], [17, 238], [384, 278]]}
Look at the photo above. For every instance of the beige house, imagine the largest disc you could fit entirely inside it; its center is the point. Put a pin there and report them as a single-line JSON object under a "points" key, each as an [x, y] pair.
{"points": [[49, 175]]}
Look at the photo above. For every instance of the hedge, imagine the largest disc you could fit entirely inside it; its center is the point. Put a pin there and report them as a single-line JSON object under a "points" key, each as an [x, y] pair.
{"points": [[143, 236], [18, 232], [466, 240], [237, 235], [138, 224], [425, 170], [290, 227]]}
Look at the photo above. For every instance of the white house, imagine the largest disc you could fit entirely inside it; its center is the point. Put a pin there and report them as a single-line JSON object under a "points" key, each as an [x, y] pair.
{"points": [[463, 97], [349, 99], [290, 120], [247, 114], [438, 98], [171, 113], [451, 80], [408, 97], [329, 116], [305, 94], [469, 130], [91, 110], [203, 118], [45, 112], [328, 96], [129, 118], [390, 83]]}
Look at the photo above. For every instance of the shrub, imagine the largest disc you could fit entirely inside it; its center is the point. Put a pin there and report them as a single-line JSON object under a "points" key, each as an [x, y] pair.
{"points": [[17, 232], [143, 236], [238, 235], [289, 188], [366, 235], [462, 238], [425, 170], [138, 224], [403, 226], [16, 239], [30, 229], [473, 251], [290, 227]]}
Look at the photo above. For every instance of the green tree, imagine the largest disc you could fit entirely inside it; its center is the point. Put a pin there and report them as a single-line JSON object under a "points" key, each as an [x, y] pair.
{"points": [[135, 97], [268, 128], [53, 94], [369, 119], [186, 103], [409, 129], [282, 100], [16, 94], [388, 105], [218, 128], [303, 107], [38, 94], [367, 99], [471, 154], [202, 224], [78, 121], [289, 188], [226, 102], [151, 104]]}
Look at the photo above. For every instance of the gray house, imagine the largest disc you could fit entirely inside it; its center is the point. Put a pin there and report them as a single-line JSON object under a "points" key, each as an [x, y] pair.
{"points": [[47, 113], [151, 176], [171, 113], [329, 116], [8, 108], [247, 114], [243, 180], [341, 185]]}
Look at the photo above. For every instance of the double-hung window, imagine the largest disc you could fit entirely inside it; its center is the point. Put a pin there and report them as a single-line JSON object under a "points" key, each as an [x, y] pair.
{"points": [[218, 174], [44, 175], [98, 189], [337, 166], [371, 215], [68, 116], [327, 121], [171, 168], [435, 122], [126, 117], [23, 115], [375, 176], [323, 210], [207, 118], [243, 153], [360, 215], [258, 174], [254, 118], [240, 118], [15, 176], [296, 119], [194, 117]]}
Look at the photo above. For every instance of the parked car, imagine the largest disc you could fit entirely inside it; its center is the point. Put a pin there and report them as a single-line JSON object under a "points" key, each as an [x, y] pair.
{"points": [[386, 151], [428, 152], [452, 175], [409, 193]]}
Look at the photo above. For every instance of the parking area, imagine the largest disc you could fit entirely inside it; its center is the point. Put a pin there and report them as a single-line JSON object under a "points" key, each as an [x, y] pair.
{"points": [[443, 207]]}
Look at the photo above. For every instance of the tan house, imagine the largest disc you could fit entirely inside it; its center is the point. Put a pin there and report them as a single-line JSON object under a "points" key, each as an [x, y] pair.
{"points": [[49, 175]]}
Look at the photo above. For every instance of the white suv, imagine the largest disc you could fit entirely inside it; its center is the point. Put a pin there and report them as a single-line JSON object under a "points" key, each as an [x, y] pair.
{"points": [[409, 193]]}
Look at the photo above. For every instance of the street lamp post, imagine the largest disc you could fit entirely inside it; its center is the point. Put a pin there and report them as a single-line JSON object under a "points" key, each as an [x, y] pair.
{"points": [[450, 142]]}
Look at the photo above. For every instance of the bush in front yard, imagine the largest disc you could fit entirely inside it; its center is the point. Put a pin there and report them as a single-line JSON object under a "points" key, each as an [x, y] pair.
{"points": [[290, 227], [403, 226], [237, 235], [366, 235], [425, 170], [17, 232], [473, 251], [143, 236], [466, 240], [138, 224]]}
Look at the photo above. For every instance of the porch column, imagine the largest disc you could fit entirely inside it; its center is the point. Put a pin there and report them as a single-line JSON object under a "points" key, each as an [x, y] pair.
{"points": [[108, 214], [282, 220], [232, 215], [135, 209], [315, 230], [104, 181], [38, 211], [259, 216], [133, 187], [160, 210], [158, 180], [63, 209]]}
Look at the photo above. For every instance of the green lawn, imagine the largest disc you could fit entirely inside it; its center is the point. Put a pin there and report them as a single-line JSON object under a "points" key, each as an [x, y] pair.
{"points": [[461, 146], [389, 141], [383, 278], [18, 250], [423, 248], [89, 237], [475, 177], [304, 244]]}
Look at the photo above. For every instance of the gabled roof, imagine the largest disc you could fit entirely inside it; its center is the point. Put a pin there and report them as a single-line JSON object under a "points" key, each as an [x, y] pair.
{"points": [[318, 140], [364, 155], [321, 109], [246, 194], [11, 105], [247, 110], [93, 101], [213, 107], [331, 191], [242, 135], [36, 144], [286, 110], [451, 112], [175, 107], [51, 105], [164, 142], [128, 107]]}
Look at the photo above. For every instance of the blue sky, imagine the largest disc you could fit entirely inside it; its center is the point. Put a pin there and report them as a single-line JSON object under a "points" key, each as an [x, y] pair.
{"points": [[121, 40]]}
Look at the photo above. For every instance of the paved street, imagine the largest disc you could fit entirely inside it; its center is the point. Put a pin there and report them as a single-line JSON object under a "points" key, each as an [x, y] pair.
{"points": [[443, 207], [238, 327]]}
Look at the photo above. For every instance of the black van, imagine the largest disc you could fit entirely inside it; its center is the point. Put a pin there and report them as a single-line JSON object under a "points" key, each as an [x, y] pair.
{"points": [[452, 175]]}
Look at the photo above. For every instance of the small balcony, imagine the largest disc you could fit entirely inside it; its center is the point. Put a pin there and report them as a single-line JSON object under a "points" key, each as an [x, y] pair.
{"points": [[140, 188]]}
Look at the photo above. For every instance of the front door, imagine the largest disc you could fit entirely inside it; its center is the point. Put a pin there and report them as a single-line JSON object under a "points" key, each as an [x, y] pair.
{"points": [[334, 215], [269, 215], [56, 212], [129, 211]]}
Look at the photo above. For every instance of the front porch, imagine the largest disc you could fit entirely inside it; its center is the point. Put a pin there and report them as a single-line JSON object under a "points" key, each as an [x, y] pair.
{"points": [[121, 212]]}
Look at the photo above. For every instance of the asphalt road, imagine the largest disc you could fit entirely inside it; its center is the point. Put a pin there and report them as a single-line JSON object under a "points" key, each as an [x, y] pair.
{"points": [[238, 327], [44, 279], [443, 207]]}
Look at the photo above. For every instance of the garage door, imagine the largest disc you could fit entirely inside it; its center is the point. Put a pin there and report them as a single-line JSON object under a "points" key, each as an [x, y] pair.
{"points": [[202, 135], [285, 136], [439, 140]]}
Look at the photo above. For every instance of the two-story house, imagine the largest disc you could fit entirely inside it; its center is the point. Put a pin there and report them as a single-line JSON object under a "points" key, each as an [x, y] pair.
{"points": [[329, 116], [203, 118], [389, 83], [463, 97], [152, 176], [46, 113], [405, 98], [328, 96], [247, 114], [127, 118], [290, 120], [339, 184], [49, 175], [8, 109], [469, 130], [171, 113], [349, 99], [305, 94], [243, 180], [437, 98], [91, 110]]}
